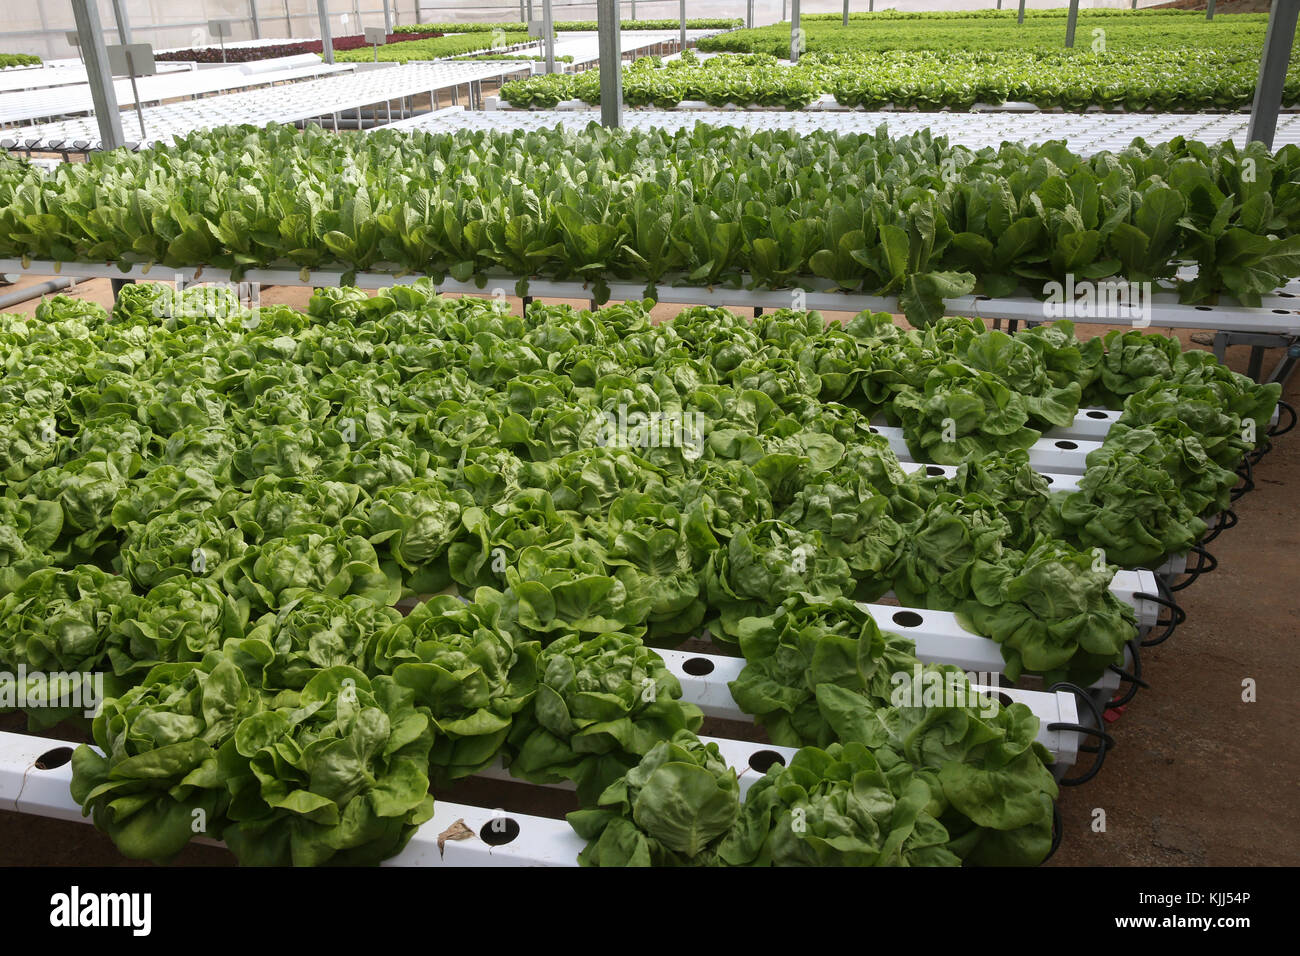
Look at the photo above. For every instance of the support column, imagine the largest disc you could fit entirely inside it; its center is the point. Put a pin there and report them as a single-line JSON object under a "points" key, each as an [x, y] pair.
{"points": [[327, 41], [548, 40], [794, 31], [1278, 41], [123, 24], [95, 55], [611, 63]]}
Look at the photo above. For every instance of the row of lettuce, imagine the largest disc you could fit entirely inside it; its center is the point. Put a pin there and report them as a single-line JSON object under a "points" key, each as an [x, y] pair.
{"points": [[912, 217], [568, 26], [271, 51], [1173, 31], [1130, 61], [951, 79], [216, 510], [486, 38]]}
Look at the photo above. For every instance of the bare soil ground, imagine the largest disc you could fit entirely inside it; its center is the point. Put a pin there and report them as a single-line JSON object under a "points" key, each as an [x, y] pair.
{"points": [[1198, 778]]}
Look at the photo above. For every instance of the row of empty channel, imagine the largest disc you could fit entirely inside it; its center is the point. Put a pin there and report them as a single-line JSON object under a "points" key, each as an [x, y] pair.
{"points": [[322, 100]]}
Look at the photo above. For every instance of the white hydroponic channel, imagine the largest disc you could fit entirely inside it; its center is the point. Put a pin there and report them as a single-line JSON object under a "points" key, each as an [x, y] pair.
{"points": [[1085, 133]]}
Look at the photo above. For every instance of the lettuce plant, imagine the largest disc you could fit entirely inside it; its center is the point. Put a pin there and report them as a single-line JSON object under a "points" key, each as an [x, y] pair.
{"points": [[987, 775], [1129, 505], [467, 670], [182, 619], [152, 781], [275, 507], [335, 564], [415, 522], [316, 632], [764, 564], [601, 705], [808, 642], [57, 629], [672, 809], [840, 806], [1052, 610], [176, 543], [339, 777], [28, 529]]}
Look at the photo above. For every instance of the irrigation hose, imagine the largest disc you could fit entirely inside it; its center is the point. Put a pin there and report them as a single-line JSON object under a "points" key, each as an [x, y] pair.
{"points": [[1227, 519], [1205, 563], [1104, 740], [1166, 600], [1265, 443], [1264, 446], [1133, 678], [1290, 410], [1247, 472]]}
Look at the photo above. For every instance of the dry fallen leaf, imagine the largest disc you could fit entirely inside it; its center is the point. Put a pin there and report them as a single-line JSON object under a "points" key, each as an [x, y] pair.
{"points": [[457, 831]]}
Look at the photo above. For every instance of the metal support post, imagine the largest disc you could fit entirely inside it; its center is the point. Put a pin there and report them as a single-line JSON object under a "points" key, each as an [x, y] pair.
{"points": [[796, 36], [548, 40], [327, 41], [102, 94], [123, 25], [611, 63], [1071, 23], [1278, 41]]}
